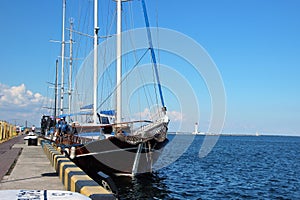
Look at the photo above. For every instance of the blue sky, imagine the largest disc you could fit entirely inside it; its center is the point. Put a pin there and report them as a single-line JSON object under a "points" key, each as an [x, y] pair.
{"points": [[254, 43]]}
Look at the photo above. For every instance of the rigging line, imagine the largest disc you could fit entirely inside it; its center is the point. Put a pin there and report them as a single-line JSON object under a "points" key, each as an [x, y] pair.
{"points": [[83, 13], [131, 18], [127, 26], [152, 51], [123, 79], [76, 51], [111, 25], [135, 53], [157, 17], [84, 17], [132, 26], [108, 30], [155, 89], [147, 89], [157, 33]]}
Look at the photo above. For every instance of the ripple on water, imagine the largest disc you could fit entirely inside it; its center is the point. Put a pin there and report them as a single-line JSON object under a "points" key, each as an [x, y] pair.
{"points": [[262, 167]]}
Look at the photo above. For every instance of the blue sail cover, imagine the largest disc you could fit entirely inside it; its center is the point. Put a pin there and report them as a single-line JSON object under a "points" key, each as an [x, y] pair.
{"points": [[104, 112], [108, 112], [63, 115], [74, 114], [90, 106]]}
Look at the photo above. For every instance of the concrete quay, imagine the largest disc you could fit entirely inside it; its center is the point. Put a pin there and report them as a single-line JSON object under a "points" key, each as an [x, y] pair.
{"points": [[8, 155], [32, 171], [27, 167]]}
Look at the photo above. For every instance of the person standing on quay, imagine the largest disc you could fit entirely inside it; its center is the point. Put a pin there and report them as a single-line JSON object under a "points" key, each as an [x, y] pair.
{"points": [[33, 128]]}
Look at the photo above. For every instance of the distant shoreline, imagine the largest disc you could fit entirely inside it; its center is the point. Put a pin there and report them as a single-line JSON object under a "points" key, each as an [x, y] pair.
{"points": [[233, 134]]}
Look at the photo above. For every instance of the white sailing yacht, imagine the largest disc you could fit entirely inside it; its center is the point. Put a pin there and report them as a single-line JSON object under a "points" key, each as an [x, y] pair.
{"points": [[132, 147]]}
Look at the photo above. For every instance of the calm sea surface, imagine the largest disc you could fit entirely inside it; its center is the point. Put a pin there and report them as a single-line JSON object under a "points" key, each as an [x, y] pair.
{"points": [[238, 167]]}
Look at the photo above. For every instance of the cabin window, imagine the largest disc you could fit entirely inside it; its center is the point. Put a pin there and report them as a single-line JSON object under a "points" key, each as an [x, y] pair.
{"points": [[104, 120]]}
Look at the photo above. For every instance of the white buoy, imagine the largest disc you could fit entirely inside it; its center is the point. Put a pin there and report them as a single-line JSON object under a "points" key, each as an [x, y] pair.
{"points": [[67, 150], [72, 154]]}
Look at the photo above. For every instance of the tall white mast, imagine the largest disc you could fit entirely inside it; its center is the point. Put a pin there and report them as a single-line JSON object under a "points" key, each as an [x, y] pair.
{"points": [[119, 62], [62, 58], [56, 90], [70, 66], [96, 28]]}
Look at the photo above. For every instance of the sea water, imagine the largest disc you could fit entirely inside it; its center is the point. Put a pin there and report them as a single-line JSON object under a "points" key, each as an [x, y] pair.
{"points": [[238, 167]]}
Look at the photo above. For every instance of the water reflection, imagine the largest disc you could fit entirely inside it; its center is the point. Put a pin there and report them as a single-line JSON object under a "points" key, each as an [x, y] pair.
{"points": [[146, 186]]}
